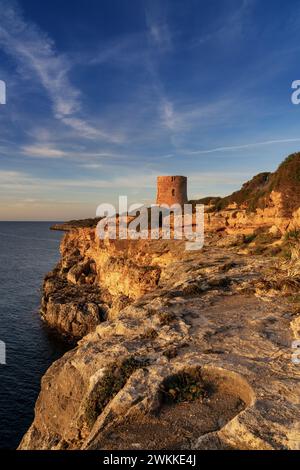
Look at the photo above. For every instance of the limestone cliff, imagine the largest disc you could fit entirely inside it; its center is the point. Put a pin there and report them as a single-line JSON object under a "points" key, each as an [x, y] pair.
{"points": [[179, 349], [96, 279], [267, 200], [183, 350]]}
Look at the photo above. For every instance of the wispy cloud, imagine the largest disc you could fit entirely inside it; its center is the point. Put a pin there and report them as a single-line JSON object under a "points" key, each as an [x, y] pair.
{"points": [[90, 132], [34, 51], [228, 27], [181, 117], [178, 115], [169, 118], [92, 166], [23, 182], [160, 34], [158, 27], [123, 51], [243, 146], [85, 159], [43, 152]]}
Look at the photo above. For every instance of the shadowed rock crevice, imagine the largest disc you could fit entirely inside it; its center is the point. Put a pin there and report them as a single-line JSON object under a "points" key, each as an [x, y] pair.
{"points": [[111, 382]]}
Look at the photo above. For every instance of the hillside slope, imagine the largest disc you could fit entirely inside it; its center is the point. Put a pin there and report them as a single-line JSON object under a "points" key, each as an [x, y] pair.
{"points": [[257, 193]]}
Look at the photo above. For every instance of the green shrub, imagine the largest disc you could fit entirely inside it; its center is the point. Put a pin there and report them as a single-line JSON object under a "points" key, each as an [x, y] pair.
{"points": [[249, 238], [293, 235], [184, 387]]}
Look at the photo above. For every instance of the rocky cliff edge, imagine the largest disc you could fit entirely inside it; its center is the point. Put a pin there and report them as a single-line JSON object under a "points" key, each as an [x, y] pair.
{"points": [[178, 349]]}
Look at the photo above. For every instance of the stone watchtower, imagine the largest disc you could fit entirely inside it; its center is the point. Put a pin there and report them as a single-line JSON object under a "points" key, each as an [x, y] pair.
{"points": [[171, 190]]}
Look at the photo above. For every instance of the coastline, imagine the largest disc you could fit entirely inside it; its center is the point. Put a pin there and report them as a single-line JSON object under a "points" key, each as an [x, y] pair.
{"points": [[201, 316]]}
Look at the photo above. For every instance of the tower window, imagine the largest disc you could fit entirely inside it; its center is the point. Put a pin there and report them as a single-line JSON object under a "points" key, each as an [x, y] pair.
{"points": [[173, 192]]}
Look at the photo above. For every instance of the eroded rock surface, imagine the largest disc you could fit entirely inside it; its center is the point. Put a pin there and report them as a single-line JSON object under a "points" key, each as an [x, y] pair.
{"points": [[183, 347]]}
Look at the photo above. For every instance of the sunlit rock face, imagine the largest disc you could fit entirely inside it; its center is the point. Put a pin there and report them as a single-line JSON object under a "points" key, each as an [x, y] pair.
{"points": [[171, 334], [267, 200], [180, 349], [96, 278]]}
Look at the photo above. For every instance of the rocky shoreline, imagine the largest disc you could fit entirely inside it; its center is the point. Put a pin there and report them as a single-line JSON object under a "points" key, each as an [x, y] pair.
{"points": [[165, 334], [179, 349]]}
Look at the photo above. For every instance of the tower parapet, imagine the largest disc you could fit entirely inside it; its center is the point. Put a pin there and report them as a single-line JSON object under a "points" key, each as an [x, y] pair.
{"points": [[171, 190]]}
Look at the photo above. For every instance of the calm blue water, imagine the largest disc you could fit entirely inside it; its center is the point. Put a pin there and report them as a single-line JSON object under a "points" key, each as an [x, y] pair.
{"points": [[28, 250]]}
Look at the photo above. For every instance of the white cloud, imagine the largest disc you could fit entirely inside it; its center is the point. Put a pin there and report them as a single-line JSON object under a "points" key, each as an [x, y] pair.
{"points": [[34, 51], [16, 181], [43, 152], [244, 146], [123, 51], [181, 117], [90, 131], [46, 150], [230, 27], [169, 118], [92, 166], [158, 27], [160, 35], [24, 182]]}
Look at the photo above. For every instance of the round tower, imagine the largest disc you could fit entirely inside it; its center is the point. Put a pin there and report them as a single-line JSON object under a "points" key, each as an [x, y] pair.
{"points": [[171, 190]]}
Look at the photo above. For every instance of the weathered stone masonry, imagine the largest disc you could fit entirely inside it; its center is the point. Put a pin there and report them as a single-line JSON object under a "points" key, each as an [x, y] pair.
{"points": [[171, 190]]}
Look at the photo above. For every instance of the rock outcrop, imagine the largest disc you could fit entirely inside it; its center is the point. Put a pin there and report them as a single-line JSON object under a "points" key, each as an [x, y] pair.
{"points": [[96, 279], [179, 349], [197, 357], [267, 200]]}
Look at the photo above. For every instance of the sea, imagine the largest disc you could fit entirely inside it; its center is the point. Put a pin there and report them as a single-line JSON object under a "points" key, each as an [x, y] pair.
{"points": [[28, 250]]}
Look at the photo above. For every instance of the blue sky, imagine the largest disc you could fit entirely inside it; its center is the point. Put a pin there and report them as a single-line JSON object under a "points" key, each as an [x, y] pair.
{"points": [[103, 95]]}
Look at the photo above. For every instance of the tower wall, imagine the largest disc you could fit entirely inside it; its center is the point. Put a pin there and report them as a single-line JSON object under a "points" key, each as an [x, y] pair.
{"points": [[171, 190]]}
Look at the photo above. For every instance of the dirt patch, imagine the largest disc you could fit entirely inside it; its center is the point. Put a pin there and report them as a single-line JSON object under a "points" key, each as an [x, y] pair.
{"points": [[194, 407], [176, 426]]}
